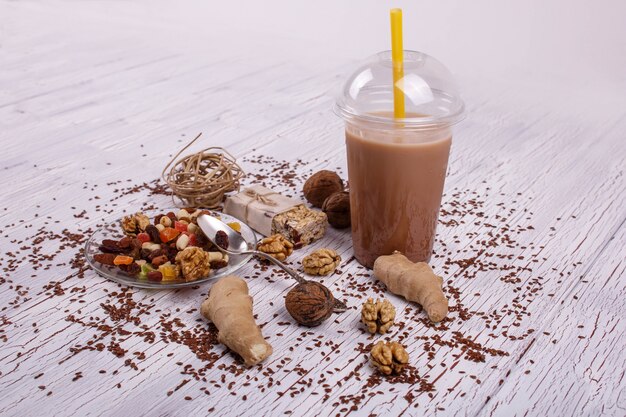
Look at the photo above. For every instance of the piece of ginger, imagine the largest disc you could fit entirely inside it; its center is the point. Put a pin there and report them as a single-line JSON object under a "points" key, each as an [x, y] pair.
{"points": [[414, 281], [229, 307]]}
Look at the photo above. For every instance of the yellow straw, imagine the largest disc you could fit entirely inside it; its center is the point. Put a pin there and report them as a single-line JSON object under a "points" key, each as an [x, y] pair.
{"points": [[397, 60]]}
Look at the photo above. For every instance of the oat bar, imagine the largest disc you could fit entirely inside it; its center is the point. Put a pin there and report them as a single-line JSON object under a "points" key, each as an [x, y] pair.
{"points": [[300, 225]]}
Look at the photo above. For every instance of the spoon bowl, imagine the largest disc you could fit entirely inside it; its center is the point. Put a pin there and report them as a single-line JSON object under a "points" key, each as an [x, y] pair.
{"points": [[237, 245]]}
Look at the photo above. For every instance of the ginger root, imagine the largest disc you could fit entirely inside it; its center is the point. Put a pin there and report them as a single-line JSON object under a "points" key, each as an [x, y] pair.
{"points": [[229, 307], [414, 281]]}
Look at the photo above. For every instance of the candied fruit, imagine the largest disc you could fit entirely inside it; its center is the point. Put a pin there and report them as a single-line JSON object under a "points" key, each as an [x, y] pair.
{"points": [[168, 271], [143, 237], [145, 270], [235, 226], [180, 226], [123, 260], [168, 234], [193, 239]]}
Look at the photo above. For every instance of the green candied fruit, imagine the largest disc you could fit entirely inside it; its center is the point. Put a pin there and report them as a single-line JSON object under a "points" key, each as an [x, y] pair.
{"points": [[145, 270]]}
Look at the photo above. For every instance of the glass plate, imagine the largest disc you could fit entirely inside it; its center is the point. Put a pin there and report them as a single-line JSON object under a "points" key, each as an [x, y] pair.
{"points": [[113, 230]]}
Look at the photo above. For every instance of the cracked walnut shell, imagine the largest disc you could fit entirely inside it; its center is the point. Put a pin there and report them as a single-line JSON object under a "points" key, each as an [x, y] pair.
{"points": [[378, 316], [322, 261], [193, 262], [277, 246], [389, 357], [135, 223]]}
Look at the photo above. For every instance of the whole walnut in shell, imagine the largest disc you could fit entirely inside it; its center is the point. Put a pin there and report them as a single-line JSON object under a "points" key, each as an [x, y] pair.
{"points": [[322, 261], [310, 303], [389, 358], [320, 186], [337, 209]]}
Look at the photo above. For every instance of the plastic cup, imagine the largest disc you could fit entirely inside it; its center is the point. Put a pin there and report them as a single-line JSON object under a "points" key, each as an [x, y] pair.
{"points": [[397, 167]]}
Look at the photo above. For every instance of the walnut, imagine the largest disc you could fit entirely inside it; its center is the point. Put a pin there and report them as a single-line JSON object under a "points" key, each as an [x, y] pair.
{"points": [[129, 224], [321, 262], [193, 262], [310, 303], [378, 316], [135, 223], [337, 208], [321, 185], [142, 221], [389, 358], [277, 246]]}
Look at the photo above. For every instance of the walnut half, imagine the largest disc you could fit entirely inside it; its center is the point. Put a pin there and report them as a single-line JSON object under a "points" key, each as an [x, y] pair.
{"points": [[277, 246], [389, 358], [378, 316], [193, 262], [135, 223], [321, 262]]}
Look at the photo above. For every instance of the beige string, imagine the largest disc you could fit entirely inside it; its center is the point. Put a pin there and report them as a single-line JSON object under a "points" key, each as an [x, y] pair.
{"points": [[201, 179], [261, 198]]}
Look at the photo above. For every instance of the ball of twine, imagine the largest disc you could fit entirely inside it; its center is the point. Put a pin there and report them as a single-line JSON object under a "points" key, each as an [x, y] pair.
{"points": [[201, 179]]}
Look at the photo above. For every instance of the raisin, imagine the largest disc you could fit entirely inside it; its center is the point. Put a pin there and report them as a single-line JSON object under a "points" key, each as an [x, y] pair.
{"points": [[171, 253], [110, 246], [219, 264], [135, 248], [156, 253], [157, 219], [171, 215], [104, 258], [221, 239], [130, 269], [124, 242], [153, 232], [145, 254], [201, 240]]}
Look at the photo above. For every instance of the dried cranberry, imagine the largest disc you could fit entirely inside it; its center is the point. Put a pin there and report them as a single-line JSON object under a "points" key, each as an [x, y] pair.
{"points": [[221, 239], [171, 215], [105, 258], [153, 232], [156, 276]]}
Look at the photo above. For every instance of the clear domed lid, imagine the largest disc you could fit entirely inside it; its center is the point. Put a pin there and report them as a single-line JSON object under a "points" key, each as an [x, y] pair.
{"points": [[430, 93]]}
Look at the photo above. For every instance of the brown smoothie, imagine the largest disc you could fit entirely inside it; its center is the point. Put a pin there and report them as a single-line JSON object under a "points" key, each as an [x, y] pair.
{"points": [[396, 180]]}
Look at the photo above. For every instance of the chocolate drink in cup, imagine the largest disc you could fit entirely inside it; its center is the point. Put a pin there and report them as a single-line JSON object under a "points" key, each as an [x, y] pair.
{"points": [[397, 167]]}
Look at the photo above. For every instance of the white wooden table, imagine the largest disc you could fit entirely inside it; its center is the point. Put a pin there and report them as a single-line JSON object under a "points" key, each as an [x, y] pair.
{"points": [[95, 96]]}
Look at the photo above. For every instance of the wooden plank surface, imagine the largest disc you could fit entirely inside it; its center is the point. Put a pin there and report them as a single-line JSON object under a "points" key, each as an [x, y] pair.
{"points": [[95, 98]]}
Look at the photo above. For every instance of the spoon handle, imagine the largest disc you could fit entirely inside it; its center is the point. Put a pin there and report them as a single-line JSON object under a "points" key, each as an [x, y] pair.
{"points": [[281, 265]]}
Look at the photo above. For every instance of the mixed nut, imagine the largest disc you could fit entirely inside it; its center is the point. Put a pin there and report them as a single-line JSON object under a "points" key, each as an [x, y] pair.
{"points": [[170, 248]]}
